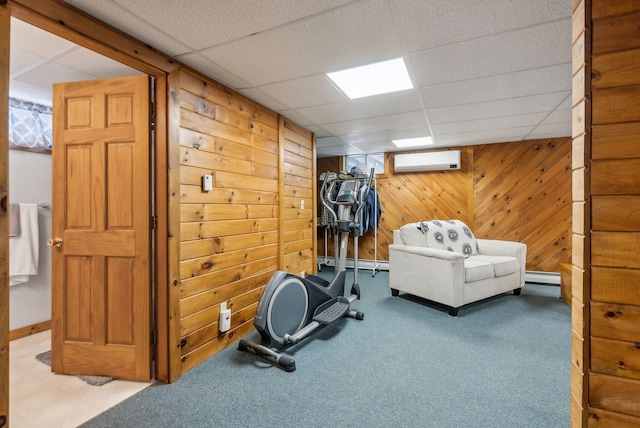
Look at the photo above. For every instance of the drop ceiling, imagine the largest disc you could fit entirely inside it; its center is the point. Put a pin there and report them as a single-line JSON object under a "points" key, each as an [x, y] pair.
{"points": [[484, 71]]}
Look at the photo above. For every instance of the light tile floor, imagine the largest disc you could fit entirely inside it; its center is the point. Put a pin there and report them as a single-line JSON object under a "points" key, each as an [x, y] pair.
{"points": [[39, 398]]}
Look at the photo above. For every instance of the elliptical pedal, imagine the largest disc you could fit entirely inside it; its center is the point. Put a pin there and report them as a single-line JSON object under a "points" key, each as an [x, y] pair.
{"points": [[331, 310]]}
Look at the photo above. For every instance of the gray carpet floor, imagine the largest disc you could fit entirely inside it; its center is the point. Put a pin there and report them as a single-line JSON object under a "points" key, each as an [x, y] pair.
{"points": [[503, 362]]}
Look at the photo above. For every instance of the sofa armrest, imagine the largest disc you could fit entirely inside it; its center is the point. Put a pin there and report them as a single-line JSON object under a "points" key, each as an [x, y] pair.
{"points": [[430, 273], [494, 247]]}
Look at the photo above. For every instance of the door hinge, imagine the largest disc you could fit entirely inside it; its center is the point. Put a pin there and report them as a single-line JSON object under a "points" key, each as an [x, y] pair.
{"points": [[154, 337], [154, 222]]}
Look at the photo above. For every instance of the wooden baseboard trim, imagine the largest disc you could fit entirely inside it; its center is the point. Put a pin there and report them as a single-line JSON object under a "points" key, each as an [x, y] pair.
{"points": [[19, 333]]}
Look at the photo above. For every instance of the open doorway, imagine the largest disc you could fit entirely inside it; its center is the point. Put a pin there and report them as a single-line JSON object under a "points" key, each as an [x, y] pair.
{"points": [[39, 59]]}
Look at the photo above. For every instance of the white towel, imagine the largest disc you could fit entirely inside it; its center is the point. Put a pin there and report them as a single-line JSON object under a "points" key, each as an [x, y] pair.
{"points": [[23, 249]]}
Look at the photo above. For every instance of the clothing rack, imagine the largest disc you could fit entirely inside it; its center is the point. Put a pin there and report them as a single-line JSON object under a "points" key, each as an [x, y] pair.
{"points": [[376, 266]]}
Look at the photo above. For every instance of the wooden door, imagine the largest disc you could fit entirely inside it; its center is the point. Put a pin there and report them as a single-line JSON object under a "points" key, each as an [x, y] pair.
{"points": [[101, 291]]}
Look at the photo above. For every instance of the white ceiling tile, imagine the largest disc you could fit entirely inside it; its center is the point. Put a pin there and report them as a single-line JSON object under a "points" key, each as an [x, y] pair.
{"points": [[486, 137], [264, 99], [136, 25], [557, 129], [386, 136], [431, 23], [329, 141], [378, 105], [209, 68], [305, 91], [566, 103], [489, 70], [558, 116], [343, 150], [360, 33], [498, 108], [319, 131], [21, 61], [32, 39], [533, 47], [517, 84], [94, 64], [205, 23], [373, 148], [377, 124], [51, 73], [297, 117], [488, 124]]}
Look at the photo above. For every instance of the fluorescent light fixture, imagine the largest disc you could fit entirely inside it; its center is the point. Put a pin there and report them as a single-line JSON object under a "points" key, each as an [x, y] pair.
{"points": [[373, 79], [413, 142]]}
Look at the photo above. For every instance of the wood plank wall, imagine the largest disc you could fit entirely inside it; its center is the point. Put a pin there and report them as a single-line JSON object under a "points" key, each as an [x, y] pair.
{"points": [[610, 273], [514, 191], [229, 237], [5, 15], [299, 201]]}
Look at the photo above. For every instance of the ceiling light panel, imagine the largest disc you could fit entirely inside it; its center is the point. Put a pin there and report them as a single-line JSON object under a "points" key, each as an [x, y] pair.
{"points": [[373, 79]]}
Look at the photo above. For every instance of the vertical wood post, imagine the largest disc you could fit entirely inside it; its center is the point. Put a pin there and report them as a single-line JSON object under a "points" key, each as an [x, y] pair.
{"points": [[581, 133], [5, 16]]}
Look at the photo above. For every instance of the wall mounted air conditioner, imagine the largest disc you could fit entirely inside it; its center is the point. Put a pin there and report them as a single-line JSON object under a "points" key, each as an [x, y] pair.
{"points": [[432, 161]]}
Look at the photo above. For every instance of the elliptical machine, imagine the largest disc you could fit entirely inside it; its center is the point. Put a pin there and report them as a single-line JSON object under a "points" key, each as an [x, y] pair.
{"points": [[292, 307]]}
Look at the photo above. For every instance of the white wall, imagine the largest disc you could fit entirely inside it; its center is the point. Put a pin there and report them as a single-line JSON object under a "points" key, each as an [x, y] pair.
{"points": [[30, 182]]}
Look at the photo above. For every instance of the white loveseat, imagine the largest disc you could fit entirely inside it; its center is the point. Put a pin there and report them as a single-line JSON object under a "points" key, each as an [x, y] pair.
{"points": [[443, 262]]}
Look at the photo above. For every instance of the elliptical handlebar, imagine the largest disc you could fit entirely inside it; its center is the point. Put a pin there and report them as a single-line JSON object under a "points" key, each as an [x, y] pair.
{"points": [[325, 194]]}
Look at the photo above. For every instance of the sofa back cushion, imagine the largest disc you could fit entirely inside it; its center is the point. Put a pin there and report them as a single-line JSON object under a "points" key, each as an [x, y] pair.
{"points": [[451, 235], [411, 235]]}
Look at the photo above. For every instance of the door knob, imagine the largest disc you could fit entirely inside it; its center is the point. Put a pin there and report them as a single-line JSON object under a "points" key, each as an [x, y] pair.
{"points": [[57, 242]]}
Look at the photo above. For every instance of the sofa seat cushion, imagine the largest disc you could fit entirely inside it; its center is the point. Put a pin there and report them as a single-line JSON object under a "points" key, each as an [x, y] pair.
{"points": [[502, 265], [476, 269]]}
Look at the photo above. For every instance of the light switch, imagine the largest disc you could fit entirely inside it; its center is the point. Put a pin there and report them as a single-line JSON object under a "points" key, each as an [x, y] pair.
{"points": [[207, 182]]}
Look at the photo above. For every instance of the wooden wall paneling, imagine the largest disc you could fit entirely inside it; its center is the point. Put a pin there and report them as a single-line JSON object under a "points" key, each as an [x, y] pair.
{"points": [[581, 224], [499, 192], [163, 262], [615, 69], [615, 394], [615, 357], [615, 285], [229, 235], [5, 19], [615, 105], [508, 199], [299, 212], [615, 141], [611, 213], [171, 306], [605, 9], [599, 418], [614, 379], [616, 32]]}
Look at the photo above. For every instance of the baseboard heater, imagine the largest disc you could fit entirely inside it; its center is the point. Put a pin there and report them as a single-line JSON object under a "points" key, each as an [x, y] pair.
{"points": [[542, 277]]}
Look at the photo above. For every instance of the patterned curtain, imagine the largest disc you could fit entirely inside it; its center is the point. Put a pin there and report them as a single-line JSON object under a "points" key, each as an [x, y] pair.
{"points": [[30, 125]]}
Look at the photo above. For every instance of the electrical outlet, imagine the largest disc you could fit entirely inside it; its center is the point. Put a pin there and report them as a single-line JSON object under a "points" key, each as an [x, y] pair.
{"points": [[301, 204], [224, 324]]}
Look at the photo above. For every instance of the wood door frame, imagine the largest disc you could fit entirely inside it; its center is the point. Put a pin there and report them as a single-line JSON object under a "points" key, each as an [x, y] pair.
{"points": [[66, 21], [5, 17]]}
